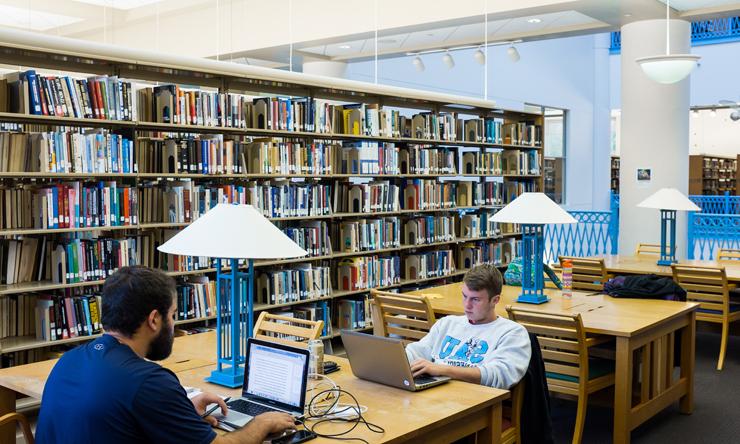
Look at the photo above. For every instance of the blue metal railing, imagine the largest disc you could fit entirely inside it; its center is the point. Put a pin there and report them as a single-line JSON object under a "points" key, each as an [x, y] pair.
{"points": [[710, 232], [595, 233], [724, 204], [704, 32]]}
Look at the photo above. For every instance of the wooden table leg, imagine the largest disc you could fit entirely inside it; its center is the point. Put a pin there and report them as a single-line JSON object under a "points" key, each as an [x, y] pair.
{"points": [[622, 391], [492, 433], [7, 405], [688, 347]]}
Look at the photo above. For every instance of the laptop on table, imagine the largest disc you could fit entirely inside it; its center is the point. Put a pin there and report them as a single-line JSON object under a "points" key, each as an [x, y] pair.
{"points": [[275, 380], [384, 360]]}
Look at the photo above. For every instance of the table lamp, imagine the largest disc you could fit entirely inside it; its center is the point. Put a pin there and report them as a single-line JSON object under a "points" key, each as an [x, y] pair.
{"points": [[668, 201], [533, 211], [232, 231]]}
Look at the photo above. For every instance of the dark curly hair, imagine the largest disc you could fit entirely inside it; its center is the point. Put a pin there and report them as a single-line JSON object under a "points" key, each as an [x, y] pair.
{"points": [[131, 293]]}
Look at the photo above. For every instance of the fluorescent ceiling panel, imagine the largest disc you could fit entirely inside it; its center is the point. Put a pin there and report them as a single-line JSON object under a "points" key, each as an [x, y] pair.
{"points": [[32, 19], [120, 4]]}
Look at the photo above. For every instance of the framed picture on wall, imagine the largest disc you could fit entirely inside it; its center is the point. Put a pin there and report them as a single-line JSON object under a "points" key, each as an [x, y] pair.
{"points": [[644, 175]]}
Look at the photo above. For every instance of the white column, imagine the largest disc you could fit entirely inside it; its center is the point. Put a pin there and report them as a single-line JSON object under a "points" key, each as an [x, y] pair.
{"points": [[654, 133]]}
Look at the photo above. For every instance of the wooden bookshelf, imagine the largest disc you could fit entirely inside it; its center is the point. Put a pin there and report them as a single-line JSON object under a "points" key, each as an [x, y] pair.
{"points": [[712, 175], [139, 131]]}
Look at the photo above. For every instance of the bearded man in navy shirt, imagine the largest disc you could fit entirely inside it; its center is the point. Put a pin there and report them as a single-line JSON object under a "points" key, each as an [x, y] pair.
{"points": [[106, 391]]}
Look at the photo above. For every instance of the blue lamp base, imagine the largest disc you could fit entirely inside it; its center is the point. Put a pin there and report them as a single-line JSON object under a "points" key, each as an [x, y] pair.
{"points": [[227, 377], [532, 298], [666, 262], [667, 238]]}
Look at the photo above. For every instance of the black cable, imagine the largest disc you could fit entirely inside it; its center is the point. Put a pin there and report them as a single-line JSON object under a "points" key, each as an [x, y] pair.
{"points": [[355, 421]]}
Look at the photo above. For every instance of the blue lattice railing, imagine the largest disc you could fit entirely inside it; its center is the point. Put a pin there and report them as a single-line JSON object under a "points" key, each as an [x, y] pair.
{"points": [[710, 232], [595, 233], [704, 32], [724, 204]]}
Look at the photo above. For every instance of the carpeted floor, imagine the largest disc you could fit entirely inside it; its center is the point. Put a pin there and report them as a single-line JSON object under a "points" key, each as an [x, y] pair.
{"points": [[716, 395]]}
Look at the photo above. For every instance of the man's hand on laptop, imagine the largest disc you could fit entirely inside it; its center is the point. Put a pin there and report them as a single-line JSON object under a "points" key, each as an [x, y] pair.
{"points": [[423, 367], [273, 422], [200, 402]]}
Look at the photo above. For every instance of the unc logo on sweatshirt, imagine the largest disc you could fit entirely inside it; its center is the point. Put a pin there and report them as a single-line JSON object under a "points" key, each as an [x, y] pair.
{"points": [[455, 352]]}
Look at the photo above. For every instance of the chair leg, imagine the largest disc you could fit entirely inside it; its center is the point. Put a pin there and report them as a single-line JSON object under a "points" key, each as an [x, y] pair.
{"points": [[723, 344], [580, 417]]}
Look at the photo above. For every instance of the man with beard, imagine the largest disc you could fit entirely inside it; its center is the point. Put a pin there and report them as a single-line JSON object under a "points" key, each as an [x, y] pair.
{"points": [[105, 391]]}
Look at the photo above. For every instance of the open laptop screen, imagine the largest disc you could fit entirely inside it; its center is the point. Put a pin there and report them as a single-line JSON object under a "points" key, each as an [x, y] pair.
{"points": [[277, 373]]}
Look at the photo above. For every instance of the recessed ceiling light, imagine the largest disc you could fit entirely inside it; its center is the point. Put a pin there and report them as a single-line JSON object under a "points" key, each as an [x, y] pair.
{"points": [[344, 46], [387, 41], [534, 20]]}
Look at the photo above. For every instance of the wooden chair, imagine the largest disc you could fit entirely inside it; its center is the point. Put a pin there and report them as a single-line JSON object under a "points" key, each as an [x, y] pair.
{"points": [[728, 254], [708, 286], [565, 351], [402, 315], [286, 330], [588, 274], [511, 428], [25, 427], [651, 250]]}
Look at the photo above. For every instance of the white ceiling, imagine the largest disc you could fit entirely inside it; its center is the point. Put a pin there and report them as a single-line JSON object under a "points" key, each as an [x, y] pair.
{"points": [[260, 32]]}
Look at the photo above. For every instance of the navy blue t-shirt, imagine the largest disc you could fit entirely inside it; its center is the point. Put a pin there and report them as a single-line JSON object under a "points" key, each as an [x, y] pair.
{"points": [[104, 392]]}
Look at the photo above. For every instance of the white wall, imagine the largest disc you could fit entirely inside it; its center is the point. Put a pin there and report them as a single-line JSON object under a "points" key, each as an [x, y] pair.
{"points": [[570, 73], [718, 135]]}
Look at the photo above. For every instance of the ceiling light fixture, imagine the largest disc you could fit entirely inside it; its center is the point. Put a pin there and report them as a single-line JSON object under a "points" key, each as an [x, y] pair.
{"points": [[418, 64], [344, 46], [534, 20], [668, 68], [448, 60], [513, 54], [480, 56]]}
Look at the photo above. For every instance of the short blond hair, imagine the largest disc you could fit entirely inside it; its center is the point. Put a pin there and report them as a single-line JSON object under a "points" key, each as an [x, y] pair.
{"points": [[484, 277]]}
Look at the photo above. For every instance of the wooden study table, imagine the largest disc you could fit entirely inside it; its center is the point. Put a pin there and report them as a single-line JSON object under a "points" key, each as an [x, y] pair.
{"points": [[647, 327], [626, 264], [437, 415]]}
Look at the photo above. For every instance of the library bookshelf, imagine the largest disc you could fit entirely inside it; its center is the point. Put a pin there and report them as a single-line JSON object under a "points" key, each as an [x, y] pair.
{"points": [[385, 187]]}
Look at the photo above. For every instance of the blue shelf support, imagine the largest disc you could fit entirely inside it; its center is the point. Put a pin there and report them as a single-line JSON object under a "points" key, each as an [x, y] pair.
{"points": [[533, 246], [667, 237], [234, 321]]}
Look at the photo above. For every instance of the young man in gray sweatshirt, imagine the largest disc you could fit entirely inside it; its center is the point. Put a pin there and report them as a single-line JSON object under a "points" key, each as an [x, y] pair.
{"points": [[479, 347]]}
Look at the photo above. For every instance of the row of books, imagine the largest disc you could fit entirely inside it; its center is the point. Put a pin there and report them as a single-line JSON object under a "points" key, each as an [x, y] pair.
{"points": [[483, 252], [298, 283], [196, 298], [184, 201], [428, 194], [354, 313], [360, 273], [101, 97], [371, 197], [64, 317], [284, 198], [69, 205], [482, 163], [480, 224], [172, 104], [514, 188], [369, 234], [520, 162], [269, 156], [86, 151], [429, 264], [429, 229], [424, 159], [202, 154], [312, 237], [17, 315]]}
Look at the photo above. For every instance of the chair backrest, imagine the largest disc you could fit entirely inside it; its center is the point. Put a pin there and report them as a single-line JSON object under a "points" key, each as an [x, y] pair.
{"points": [[513, 412], [705, 285], [588, 274], [10, 418], [406, 316], [728, 254], [647, 250], [286, 330], [562, 343]]}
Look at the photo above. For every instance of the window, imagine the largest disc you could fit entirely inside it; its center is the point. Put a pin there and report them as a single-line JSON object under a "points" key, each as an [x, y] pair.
{"points": [[554, 168]]}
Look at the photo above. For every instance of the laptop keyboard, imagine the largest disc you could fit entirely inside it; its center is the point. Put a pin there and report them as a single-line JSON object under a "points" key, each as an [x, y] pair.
{"points": [[249, 408], [421, 380]]}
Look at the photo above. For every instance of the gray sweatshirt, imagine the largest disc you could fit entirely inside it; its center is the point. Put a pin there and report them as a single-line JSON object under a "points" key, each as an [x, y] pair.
{"points": [[500, 349]]}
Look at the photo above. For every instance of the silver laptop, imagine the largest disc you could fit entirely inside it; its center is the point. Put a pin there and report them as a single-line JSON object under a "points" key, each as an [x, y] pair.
{"points": [[275, 380], [383, 360]]}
